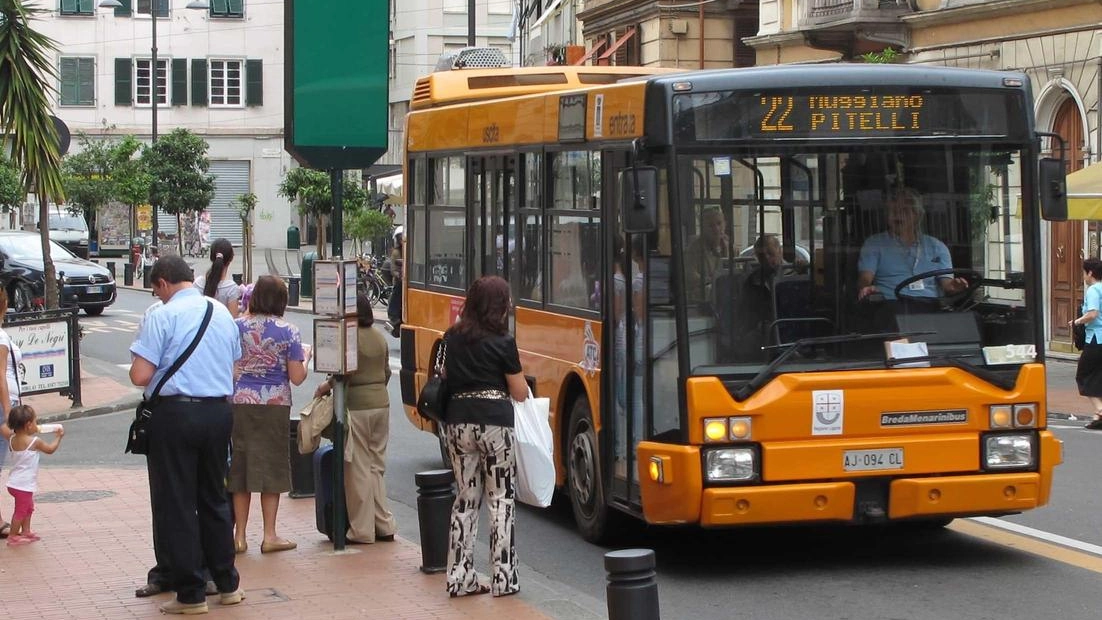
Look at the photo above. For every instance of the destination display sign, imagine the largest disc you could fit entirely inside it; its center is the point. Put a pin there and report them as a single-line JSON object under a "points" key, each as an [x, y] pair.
{"points": [[846, 113]]}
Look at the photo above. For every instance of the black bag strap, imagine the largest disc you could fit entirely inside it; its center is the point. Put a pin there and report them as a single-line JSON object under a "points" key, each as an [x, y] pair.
{"points": [[187, 352], [15, 371], [441, 355]]}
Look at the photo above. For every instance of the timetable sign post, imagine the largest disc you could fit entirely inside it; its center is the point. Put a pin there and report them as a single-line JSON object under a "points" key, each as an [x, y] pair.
{"points": [[335, 287]]}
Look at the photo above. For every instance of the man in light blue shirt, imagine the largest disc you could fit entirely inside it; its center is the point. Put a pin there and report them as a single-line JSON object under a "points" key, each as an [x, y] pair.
{"points": [[888, 258], [189, 435]]}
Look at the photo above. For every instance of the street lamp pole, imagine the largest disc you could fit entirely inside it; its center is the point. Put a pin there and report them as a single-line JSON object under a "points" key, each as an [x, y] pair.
{"points": [[154, 89]]}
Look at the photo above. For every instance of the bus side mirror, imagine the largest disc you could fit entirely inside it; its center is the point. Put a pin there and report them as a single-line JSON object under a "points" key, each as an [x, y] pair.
{"points": [[639, 202], [1054, 191]]}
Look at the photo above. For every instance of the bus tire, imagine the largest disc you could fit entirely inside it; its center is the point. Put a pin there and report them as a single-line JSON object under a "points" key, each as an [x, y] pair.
{"points": [[584, 482]]}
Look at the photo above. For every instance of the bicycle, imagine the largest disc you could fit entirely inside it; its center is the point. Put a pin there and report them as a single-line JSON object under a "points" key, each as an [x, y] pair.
{"points": [[370, 282]]}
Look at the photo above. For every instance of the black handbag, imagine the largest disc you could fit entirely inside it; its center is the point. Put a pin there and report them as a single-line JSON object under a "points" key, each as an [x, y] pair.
{"points": [[137, 439], [433, 399], [1079, 336]]}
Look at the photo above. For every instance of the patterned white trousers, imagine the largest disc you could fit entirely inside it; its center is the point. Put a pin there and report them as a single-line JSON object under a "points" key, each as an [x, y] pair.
{"points": [[484, 461]]}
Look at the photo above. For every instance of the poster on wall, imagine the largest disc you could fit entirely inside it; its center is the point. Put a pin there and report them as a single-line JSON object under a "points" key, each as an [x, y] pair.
{"points": [[46, 351], [113, 223]]}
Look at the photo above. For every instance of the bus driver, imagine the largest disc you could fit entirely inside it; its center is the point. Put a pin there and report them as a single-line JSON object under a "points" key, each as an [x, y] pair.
{"points": [[890, 257]]}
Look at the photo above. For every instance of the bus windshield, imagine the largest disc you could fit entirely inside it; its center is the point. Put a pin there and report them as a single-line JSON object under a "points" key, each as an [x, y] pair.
{"points": [[922, 242]]}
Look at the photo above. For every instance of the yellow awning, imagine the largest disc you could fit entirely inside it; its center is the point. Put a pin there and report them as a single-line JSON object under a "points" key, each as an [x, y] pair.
{"points": [[1085, 193]]}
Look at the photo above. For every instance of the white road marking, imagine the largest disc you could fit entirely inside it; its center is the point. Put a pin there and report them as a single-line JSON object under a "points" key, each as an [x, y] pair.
{"points": [[1040, 535]]}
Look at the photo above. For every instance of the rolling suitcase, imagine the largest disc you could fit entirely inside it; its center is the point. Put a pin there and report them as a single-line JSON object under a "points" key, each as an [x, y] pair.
{"points": [[324, 461]]}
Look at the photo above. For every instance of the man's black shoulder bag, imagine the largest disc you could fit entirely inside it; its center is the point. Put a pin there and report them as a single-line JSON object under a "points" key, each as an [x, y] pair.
{"points": [[137, 441]]}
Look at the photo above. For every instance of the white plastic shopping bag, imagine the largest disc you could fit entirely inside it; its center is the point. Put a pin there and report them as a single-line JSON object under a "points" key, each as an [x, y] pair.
{"points": [[535, 451]]}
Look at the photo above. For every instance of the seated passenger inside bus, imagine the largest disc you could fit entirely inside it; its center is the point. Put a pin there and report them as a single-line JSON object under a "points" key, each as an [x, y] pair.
{"points": [[704, 255]]}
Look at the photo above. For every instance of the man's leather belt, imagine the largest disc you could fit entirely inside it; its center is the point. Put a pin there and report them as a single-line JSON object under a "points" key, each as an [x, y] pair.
{"points": [[195, 399]]}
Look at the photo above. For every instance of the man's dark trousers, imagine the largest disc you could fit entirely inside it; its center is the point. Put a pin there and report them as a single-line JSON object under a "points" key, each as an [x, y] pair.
{"points": [[189, 444]]}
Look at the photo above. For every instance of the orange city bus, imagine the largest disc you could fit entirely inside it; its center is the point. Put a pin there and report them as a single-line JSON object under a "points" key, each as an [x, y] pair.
{"points": [[686, 254]]}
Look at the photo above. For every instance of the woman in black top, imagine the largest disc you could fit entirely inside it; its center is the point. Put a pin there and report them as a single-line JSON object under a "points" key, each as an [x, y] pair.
{"points": [[483, 371]]}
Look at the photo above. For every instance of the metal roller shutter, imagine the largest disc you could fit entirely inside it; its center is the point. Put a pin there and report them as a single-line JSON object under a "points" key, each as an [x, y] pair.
{"points": [[231, 179]]}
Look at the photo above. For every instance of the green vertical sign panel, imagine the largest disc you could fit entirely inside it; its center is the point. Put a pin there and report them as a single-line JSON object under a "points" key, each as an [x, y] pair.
{"points": [[336, 82]]}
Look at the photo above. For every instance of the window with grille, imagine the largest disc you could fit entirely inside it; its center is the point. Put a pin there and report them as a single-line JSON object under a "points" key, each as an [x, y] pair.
{"points": [[143, 81], [225, 83]]}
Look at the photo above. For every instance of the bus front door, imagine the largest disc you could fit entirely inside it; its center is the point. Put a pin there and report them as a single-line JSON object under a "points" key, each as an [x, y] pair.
{"points": [[626, 312]]}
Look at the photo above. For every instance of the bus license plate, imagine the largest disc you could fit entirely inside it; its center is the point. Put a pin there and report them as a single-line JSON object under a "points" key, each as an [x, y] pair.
{"points": [[92, 290], [863, 460]]}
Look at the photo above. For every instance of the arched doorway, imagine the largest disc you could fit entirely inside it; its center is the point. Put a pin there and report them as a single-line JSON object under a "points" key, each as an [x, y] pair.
{"points": [[1066, 238]]}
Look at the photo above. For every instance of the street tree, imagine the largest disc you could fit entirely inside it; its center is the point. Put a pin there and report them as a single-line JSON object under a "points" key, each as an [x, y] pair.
{"points": [[130, 181], [12, 190], [313, 193], [27, 77], [368, 224], [246, 205], [178, 165], [88, 176]]}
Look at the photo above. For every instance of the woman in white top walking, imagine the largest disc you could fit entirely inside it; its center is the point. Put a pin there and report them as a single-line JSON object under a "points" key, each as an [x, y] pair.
{"points": [[23, 463], [218, 284]]}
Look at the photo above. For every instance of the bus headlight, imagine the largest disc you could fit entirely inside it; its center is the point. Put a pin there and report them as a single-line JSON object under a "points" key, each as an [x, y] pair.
{"points": [[1008, 451], [730, 464]]}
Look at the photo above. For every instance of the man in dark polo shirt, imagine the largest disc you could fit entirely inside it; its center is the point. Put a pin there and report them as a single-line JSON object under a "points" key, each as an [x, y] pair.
{"points": [[189, 435]]}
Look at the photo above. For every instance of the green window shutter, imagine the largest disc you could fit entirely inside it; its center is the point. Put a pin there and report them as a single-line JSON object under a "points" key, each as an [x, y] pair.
{"points": [[69, 87], [123, 11], [179, 81], [160, 7], [254, 82], [236, 8], [86, 81], [124, 69], [86, 7], [68, 7], [219, 8], [199, 81]]}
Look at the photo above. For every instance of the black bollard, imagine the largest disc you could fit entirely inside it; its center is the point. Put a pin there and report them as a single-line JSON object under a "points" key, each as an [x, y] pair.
{"points": [[111, 269], [434, 508], [632, 592], [292, 291], [128, 274], [145, 277]]}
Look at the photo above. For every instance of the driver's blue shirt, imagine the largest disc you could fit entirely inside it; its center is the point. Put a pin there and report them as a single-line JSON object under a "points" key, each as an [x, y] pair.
{"points": [[891, 262]]}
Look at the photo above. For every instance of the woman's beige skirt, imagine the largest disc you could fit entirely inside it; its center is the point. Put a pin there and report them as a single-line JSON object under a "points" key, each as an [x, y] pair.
{"points": [[260, 458]]}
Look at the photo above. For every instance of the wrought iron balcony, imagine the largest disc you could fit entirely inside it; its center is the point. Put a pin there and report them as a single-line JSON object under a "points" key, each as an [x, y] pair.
{"points": [[814, 13]]}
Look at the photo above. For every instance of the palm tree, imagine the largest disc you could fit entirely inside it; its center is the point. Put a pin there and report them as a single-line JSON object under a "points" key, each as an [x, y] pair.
{"points": [[26, 78]]}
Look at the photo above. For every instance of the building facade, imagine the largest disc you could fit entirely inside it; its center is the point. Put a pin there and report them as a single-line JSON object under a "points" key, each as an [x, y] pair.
{"points": [[220, 76]]}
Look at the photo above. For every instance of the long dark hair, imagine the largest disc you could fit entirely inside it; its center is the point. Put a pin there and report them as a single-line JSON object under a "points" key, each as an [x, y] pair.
{"points": [[485, 310], [221, 253]]}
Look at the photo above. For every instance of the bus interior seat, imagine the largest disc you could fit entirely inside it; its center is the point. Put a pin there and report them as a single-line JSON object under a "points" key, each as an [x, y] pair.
{"points": [[955, 334], [795, 316]]}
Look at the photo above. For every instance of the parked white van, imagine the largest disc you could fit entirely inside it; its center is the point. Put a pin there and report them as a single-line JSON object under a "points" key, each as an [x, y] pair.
{"points": [[69, 230]]}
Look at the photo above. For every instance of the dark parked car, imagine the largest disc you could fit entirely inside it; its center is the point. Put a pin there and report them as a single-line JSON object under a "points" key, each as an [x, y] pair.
{"points": [[22, 275]]}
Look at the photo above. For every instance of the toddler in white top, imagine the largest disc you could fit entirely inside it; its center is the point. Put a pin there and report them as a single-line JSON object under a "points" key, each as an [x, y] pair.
{"points": [[25, 448]]}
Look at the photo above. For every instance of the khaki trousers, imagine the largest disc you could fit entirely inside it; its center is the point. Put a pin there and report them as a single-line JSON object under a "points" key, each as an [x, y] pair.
{"points": [[365, 463]]}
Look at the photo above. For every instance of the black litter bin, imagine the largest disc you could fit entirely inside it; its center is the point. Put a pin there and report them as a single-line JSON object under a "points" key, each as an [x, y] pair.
{"points": [[292, 291], [302, 467]]}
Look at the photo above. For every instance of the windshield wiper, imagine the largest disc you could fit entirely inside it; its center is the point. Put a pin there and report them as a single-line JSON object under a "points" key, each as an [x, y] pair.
{"points": [[766, 373]]}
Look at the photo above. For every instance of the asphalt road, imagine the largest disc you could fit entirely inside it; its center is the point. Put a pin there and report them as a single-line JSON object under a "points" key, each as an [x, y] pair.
{"points": [[971, 570]]}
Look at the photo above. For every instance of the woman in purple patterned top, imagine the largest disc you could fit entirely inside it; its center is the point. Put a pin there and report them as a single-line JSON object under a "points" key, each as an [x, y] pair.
{"points": [[272, 358]]}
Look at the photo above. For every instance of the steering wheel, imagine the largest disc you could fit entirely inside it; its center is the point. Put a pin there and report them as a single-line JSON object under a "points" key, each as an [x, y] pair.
{"points": [[953, 301]]}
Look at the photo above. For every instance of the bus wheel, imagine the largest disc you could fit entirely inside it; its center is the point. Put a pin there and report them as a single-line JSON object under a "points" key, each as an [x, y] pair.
{"points": [[587, 496]]}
